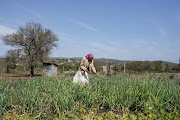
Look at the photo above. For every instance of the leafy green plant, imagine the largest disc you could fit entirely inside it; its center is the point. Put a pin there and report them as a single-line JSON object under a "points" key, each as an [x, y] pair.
{"points": [[128, 97]]}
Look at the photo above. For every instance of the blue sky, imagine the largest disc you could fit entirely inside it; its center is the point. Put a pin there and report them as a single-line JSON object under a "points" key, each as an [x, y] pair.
{"points": [[117, 29]]}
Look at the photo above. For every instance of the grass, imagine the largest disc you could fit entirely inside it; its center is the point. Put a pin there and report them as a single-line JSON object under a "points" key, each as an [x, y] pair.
{"points": [[128, 96]]}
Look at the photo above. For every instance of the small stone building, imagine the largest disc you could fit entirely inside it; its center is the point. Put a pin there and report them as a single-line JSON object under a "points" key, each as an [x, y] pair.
{"points": [[107, 69], [50, 69]]}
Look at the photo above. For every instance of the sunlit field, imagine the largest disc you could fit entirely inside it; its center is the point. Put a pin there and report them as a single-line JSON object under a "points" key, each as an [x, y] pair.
{"points": [[118, 97]]}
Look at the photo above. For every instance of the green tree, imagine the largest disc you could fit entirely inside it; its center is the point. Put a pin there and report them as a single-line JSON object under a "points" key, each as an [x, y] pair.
{"points": [[34, 42], [176, 68], [11, 60], [167, 68], [98, 65], [147, 66], [158, 66], [135, 66]]}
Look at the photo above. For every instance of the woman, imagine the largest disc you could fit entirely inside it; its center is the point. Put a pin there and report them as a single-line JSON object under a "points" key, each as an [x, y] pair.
{"points": [[86, 66]]}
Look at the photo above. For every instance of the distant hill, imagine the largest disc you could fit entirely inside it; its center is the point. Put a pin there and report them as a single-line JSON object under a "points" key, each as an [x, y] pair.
{"points": [[170, 63], [106, 60], [128, 61], [113, 60]]}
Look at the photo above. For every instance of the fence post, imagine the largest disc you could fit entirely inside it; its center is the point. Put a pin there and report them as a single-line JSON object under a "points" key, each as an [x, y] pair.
{"points": [[108, 69], [124, 68]]}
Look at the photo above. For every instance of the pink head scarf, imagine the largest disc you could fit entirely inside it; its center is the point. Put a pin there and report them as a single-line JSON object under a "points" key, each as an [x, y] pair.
{"points": [[89, 55]]}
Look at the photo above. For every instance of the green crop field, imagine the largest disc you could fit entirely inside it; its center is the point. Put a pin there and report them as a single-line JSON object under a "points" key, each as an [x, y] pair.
{"points": [[117, 98]]}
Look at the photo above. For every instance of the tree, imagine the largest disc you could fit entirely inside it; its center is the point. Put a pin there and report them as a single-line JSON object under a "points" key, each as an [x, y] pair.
{"points": [[167, 68], [34, 42], [11, 60], [176, 68], [147, 66], [135, 66], [158, 66], [98, 65]]}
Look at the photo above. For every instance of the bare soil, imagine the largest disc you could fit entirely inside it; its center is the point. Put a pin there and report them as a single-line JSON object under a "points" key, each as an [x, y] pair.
{"points": [[14, 78]]}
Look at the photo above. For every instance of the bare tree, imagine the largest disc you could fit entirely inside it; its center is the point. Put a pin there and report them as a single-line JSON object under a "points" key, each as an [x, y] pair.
{"points": [[34, 43]]}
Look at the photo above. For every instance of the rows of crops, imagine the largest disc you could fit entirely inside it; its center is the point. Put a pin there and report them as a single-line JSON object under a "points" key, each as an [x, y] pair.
{"points": [[120, 97]]}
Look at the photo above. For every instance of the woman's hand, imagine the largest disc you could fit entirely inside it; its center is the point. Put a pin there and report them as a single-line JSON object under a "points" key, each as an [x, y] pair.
{"points": [[87, 70]]}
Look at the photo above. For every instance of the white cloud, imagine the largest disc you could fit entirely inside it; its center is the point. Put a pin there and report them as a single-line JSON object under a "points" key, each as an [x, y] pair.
{"points": [[103, 47], [146, 43], [160, 29], [4, 48], [6, 30], [29, 11], [84, 25], [3, 31], [63, 36], [109, 51], [162, 32]]}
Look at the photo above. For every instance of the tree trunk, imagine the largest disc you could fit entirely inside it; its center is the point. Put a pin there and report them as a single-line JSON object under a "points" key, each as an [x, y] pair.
{"points": [[32, 70], [7, 69]]}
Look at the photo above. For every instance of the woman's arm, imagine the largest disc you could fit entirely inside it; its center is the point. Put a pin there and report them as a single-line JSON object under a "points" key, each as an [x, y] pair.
{"points": [[93, 68], [82, 65]]}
